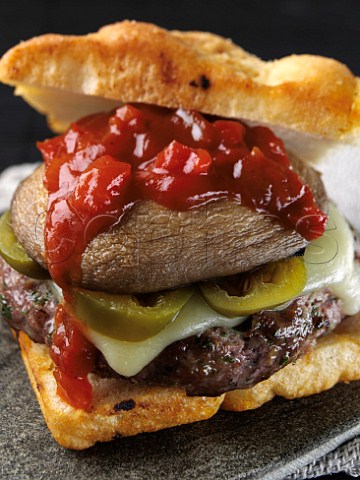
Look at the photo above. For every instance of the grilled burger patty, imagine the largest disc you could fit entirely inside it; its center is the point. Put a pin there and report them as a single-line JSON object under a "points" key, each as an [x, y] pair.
{"points": [[218, 360], [223, 359], [26, 304]]}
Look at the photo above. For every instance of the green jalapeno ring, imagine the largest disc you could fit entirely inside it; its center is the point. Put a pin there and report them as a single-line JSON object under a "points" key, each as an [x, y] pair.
{"points": [[267, 287], [14, 254], [124, 317]]}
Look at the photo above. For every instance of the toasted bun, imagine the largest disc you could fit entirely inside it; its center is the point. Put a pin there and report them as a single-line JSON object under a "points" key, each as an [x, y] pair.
{"points": [[139, 62], [123, 409], [120, 407]]}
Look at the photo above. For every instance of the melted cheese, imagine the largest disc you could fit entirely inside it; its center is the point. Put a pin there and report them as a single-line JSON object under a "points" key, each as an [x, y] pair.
{"points": [[330, 263], [128, 358], [63, 107]]}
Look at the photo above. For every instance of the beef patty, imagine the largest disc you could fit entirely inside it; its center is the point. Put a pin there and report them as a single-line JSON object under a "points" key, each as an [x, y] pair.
{"points": [[222, 359], [27, 304], [215, 361]]}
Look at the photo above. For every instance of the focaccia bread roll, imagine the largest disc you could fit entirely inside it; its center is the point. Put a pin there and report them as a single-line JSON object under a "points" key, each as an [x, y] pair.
{"points": [[121, 408], [138, 62]]}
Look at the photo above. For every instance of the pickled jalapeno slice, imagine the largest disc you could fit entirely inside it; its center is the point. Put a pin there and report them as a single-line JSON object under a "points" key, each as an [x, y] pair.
{"points": [[14, 254], [261, 289], [129, 317]]}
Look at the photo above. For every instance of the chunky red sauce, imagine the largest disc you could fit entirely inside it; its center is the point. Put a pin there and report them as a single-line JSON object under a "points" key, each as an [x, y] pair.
{"points": [[107, 162], [74, 359]]}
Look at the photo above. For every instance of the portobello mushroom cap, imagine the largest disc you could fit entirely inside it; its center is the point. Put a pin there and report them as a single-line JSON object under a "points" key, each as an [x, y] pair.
{"points": [[154, 248]]}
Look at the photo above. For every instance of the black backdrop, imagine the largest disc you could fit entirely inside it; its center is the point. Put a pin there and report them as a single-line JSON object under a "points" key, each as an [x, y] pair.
{"points": [[268, 28]]}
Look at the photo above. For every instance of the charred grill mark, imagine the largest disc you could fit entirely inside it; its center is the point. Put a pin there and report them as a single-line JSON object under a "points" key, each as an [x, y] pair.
{"points": [[125, 405], [203, 82]]}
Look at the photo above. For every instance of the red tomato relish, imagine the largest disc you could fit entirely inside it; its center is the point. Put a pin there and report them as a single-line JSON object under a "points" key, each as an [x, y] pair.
{"points": [[74, 359], [107, 162]]}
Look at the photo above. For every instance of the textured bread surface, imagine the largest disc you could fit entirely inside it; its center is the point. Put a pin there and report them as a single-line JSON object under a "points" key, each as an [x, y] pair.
{"points": [[139, 62], [120, 407], [336, 358]]}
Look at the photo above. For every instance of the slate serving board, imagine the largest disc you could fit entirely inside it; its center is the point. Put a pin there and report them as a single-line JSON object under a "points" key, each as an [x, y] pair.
{"points": [[266, 443]]}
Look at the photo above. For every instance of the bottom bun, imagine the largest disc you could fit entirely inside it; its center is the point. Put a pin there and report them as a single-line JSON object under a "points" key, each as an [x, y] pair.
{"points": [[120, 407], [123, 409]]}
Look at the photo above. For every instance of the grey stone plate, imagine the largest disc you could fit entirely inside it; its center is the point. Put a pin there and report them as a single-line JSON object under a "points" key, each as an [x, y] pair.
{"points": [[266, 443]]}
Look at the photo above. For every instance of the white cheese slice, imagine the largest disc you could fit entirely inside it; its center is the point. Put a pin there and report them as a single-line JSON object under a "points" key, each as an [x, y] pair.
{"points": [[128, 358], [63, 107], [330, 263]]}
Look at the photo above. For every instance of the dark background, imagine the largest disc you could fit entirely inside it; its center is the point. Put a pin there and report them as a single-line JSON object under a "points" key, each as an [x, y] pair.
{"points": [[269, 29]]}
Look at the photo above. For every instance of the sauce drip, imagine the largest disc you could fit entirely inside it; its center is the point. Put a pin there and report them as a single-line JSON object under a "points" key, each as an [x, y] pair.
{"points": [[74, 359], [105, 163]]}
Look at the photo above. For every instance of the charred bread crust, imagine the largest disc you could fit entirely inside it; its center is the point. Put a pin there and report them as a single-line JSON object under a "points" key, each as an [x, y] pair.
{"points": [[139, 62], [336, 358], [120, 407]]}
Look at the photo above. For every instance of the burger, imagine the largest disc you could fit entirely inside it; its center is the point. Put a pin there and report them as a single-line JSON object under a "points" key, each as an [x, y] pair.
{"points": [[177, 252]]}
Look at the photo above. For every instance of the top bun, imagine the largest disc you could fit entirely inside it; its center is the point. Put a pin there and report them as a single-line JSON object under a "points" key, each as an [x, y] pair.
{"points": [[67, 77]]}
